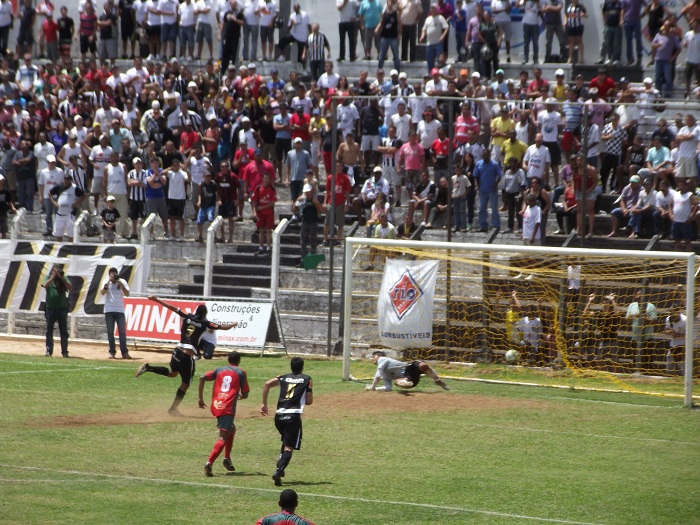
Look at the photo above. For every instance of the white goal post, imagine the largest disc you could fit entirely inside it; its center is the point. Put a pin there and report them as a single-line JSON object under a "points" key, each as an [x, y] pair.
{"points": [[461, 255]]}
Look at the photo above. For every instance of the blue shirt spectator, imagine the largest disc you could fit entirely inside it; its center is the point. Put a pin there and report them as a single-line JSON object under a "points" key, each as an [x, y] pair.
{"points": [[488, 174], [371, 10]]}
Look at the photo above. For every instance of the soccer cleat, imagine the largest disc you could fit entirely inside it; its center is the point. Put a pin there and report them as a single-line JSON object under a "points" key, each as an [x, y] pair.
{"points": [[142, 369], [207, 470], [228, 465], [277, 478], [442, 384]]}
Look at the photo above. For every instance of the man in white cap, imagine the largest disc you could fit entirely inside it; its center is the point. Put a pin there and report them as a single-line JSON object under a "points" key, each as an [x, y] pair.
{"points": [[48, 178]]}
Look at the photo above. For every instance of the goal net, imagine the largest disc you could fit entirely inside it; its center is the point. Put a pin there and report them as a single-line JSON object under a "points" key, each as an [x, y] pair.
{"points": [[594, 319]]}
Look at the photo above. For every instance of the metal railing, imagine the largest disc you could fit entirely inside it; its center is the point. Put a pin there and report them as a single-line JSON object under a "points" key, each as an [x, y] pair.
{"points": [[275, 270], [76, 226], [208, 263], [17, 223], [145, 228]]}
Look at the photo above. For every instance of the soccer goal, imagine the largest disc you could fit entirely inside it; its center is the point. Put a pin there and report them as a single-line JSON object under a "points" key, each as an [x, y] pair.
{"points": [[563, 317]]}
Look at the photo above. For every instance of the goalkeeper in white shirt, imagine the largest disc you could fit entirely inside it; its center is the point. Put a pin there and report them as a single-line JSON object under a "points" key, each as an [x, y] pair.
{"points": [[403, 375]]}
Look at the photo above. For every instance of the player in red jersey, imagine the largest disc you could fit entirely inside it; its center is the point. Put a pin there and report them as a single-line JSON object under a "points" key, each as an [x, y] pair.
{"points": [[288, 503], [230, 385], [295, 393], [263, 201]]}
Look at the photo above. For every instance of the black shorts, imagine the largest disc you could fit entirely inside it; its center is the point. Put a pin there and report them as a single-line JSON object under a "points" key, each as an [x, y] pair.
{"points": [[573, 32], [127, 29], [25, 37], [289, 427], [183, 364], [413, 372], [554, 152], [153, 31], [3, 225], [137, 210], [228, 210], [282, 146], [176, 208], [86, 45]]}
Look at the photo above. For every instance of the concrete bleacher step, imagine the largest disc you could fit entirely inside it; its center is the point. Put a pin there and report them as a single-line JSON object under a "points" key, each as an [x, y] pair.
{"points": [[216, 290], [227, 279]]}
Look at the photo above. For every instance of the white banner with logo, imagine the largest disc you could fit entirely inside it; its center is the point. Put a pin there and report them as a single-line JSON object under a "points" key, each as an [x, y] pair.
{"points": [[25, 264], [147, 319], [405, 304]]}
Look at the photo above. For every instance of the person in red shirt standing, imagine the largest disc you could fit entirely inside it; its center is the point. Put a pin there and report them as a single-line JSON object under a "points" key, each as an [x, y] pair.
{"points": [[341, 204], [230, 384], [49, 29], [440, 149], [243, 156], [263, 202], [299, 122], [227, 185], [252, 174], [606, 85]]}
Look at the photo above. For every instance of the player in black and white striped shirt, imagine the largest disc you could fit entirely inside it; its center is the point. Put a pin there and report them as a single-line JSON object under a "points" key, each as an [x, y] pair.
{"points": [[389, 148], [76, 169], [136, 180]]}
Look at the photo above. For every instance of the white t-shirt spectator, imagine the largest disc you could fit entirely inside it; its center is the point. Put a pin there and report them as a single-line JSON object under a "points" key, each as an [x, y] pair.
{"points": [[349, 10], [186, 14], [116, 179], [681, 205], [531, 218], [328, 81], [300, 29], [434, 26], [691, 41], [347, 116], [249, 12], [537, 159], [41, 151], [198, 167], [169, 7], [687, 149], [114, 80], [177, 185], [532, 8], [428, 132], [203, 18], [678, 337], [50, 178], [418, 104], [267, 15], [140, 76], [550, 122], [114, 298], [402, 125]]}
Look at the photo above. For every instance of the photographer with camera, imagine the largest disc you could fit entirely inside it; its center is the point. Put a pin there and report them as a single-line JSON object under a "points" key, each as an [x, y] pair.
{"points": [[57, 286], [114, 290]]}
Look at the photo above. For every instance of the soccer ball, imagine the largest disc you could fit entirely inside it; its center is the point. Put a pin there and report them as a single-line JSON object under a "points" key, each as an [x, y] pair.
{"points": [[404, 383], [486, 53], [512, 356]]}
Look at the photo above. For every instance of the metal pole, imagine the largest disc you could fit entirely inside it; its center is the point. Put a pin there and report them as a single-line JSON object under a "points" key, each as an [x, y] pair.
{"points": [[347, 310], [333, 236], [689, 331], [208, 269], [448, 284], [584, 176]]}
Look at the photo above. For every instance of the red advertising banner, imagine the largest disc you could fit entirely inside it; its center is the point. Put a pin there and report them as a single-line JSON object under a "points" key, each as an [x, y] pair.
{"points": [[148, 320]]}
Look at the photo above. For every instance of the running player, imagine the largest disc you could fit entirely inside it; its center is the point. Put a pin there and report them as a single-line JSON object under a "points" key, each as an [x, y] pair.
{"points": [[404, 375], [295, 392], [230, 385], [182, 361]]}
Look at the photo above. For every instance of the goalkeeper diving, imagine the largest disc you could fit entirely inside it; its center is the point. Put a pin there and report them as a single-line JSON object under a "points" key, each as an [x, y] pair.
{"points": [[403, 375]]}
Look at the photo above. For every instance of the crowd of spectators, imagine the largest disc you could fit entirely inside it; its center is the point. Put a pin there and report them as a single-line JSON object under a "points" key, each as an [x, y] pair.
{"points": [[185, 139]]}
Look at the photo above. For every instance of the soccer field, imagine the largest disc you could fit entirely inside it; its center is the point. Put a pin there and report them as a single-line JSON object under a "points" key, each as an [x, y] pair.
{"points": [[85, 442]]}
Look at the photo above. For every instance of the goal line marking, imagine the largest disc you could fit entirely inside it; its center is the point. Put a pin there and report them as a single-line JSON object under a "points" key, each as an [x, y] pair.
{"points": [[306, 494]]}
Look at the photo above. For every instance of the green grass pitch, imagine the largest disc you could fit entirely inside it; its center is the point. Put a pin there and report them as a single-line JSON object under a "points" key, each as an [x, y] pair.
{"points": [[86, 442]]}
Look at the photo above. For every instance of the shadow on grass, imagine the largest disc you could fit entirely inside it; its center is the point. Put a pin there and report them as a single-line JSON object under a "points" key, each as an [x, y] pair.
{"points": [[306, 483], [244, 474]]}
